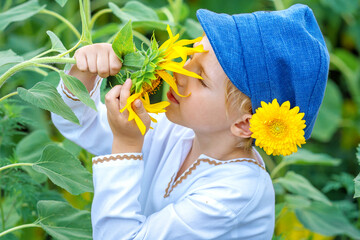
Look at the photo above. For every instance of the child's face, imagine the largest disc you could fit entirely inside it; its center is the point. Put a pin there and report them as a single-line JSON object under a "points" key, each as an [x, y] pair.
{"points": [[204, 110]]}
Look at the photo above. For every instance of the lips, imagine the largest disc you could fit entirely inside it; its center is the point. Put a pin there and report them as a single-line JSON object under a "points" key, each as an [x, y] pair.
{"points": [[171, 97]]}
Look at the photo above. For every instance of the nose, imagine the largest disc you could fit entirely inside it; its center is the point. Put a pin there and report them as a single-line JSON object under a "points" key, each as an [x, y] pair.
{"points": [[181, 82]]}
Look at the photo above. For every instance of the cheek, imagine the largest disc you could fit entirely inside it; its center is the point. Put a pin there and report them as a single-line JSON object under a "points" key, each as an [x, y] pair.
{"points": [[206, 113]]}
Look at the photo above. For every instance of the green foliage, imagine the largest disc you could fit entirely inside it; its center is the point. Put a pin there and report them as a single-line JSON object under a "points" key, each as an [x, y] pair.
{"points": [[64, 170], [78, 89], [326, 220], [139, 14], [55, 218], [357, 179], [297, 184], [123, 42], [56, 44], [19, 13], [45, 96], [11, 126]]}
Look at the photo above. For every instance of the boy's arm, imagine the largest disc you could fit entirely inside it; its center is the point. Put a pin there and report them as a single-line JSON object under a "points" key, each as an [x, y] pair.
{"points": [[93, 62]]}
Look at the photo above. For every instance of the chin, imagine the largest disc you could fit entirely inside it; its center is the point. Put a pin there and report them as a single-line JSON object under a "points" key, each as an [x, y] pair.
{"points": [[171, 116]]}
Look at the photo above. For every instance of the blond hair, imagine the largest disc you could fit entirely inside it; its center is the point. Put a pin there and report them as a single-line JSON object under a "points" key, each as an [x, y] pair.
{"points": [[238, 102]]}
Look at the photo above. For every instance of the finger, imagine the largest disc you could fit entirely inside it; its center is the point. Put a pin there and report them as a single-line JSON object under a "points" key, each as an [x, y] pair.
{"points": [[103, 65], [112, 99], [81, 62], [114, 62], [141, 112], [91, 61], [125, 93]]}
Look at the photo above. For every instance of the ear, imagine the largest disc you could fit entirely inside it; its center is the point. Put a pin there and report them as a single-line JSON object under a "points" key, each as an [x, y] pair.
{"points": [[241, 127]]}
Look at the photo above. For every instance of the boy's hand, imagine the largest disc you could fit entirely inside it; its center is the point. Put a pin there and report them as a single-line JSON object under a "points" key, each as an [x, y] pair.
{"points": [[92, 60], [127, 136]]}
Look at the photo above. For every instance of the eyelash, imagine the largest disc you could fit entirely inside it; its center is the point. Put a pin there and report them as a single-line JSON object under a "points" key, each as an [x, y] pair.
{"points": [[201, 81]]}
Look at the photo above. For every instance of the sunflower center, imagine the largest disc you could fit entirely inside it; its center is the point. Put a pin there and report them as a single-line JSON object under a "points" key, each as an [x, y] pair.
{"points": [[277, 127], [154, 87]]}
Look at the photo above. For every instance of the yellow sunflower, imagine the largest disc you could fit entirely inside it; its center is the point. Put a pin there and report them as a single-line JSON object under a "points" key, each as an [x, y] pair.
{"points": [[278, 129], [147, 79]]}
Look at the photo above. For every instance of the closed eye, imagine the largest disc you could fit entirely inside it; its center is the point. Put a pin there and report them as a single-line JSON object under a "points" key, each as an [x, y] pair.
{"points": [[202, 82]]}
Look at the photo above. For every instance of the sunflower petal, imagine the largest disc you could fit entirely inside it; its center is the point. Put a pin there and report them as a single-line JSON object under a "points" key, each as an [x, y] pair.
{"points": [[171, 81], [183, 52], [184, 42], [139, 123], [130, 100], [176, 67]]}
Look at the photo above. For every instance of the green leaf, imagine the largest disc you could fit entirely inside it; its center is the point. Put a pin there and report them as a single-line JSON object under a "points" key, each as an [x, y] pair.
{"points": [[358, 154], [29, 150], [56, 43], [61, 2], [19, 13], [306, 157], [137, 11], [9, 56], [52, 78], [139, 14], [357, 186], [123, 43], [326, 220], [77, 88], [64, 170], [299, 185], [348, 64], [108, 29], [357, 179], [71, 147], [45, 96], [62, 221], [330, 114], [296, 201], [193, 28], [135, 60], [13, 217], [154, 44]]}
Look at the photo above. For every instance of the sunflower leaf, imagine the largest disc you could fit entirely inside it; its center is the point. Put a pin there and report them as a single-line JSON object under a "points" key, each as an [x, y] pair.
{"points": [[154, 44], [123, 43], [135, 59]]}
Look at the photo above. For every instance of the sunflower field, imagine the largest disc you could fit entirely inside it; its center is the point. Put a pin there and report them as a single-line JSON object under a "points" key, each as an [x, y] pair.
{"points": [[46, 185]]}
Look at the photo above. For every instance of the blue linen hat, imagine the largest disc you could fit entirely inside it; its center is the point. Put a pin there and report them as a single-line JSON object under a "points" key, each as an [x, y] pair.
{"points": [[268, 55]]}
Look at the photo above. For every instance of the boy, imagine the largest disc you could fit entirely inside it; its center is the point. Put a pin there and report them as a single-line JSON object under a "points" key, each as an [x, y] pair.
{"points": [[194, 176]]}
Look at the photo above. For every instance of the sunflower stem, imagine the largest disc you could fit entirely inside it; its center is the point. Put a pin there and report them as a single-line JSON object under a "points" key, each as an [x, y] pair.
{"points": [[276, 170], [15, 165], [7, 96], [61, 18], [142, 38], [97, 15], [43, 53], [19, 227], [33, 62]]}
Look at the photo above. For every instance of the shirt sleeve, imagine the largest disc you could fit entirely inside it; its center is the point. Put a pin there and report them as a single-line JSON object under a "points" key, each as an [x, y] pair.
{"points": [[116, 212], [94, 133]]}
